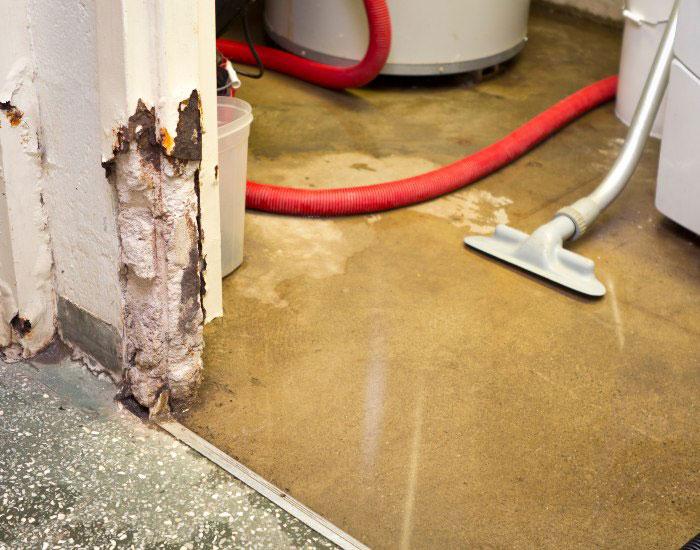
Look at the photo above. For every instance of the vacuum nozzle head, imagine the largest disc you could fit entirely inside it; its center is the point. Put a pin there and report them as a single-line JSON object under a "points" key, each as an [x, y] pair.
{"points": [[543, 254]]}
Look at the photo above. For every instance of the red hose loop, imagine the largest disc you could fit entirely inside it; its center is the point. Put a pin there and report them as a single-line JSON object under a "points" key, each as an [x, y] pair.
{"points": [[327, 76], [395, 194]]}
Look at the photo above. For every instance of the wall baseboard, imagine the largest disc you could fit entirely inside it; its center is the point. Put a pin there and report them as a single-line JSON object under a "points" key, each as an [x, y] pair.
{"points": [[91, 335]]}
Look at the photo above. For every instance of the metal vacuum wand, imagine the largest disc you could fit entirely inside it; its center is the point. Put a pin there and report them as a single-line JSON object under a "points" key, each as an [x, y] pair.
{"points": [[542, 253]]}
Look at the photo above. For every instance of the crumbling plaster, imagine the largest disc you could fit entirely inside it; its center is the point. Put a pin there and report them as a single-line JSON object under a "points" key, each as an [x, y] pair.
{"points": [[157, 220]]}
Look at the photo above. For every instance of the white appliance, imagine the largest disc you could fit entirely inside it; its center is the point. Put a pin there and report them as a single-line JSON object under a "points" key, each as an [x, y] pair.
{"points": [[428, 37], [678, 183], [645, 23]]}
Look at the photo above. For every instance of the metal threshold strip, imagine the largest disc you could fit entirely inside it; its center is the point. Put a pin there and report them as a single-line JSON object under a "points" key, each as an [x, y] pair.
{"points": [[254, 481]]}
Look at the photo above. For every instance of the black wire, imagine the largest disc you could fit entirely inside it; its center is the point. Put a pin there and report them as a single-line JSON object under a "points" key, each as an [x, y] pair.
{"points": [[246, 33], [226, 13]]}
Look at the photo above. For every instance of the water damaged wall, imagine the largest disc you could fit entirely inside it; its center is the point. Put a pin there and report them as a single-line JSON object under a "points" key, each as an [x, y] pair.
{"points": [[156, 179], [109, 219]]}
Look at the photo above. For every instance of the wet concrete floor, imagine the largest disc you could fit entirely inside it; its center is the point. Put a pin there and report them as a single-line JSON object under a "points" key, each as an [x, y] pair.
{"points": [[420, 395]]}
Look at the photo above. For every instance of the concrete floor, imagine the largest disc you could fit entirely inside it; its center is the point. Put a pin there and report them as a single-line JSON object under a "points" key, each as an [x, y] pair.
{"points": [[78, 472], [420, 395]]}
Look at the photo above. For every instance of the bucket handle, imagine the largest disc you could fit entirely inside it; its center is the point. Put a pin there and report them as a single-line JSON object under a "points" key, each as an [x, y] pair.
{"points": [[638, 18]]}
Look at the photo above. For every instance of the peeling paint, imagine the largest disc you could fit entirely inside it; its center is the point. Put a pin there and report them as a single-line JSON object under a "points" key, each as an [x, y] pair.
{"points": [[108, 165], [141, 131], [160, 237], [188, 140]]}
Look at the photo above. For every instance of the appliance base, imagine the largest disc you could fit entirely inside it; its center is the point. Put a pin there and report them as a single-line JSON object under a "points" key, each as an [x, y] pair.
{"points": [[400, 69]]}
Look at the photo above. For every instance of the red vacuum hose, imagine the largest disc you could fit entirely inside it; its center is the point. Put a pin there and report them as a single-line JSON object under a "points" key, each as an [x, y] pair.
{"points": [[395, 194], [385, 196], [327, 76]]}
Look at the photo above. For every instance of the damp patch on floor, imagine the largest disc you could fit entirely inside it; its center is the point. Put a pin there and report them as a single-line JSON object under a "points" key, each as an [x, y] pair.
{"points": [[333, 170], [288, 247], [476, 209]]}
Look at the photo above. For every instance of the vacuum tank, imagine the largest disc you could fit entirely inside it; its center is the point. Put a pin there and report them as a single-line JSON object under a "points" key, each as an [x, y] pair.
{"points": [[436, 37]]}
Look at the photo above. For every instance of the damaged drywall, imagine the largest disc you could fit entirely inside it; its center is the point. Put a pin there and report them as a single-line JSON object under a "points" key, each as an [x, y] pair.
{"points": [[156, 183]]}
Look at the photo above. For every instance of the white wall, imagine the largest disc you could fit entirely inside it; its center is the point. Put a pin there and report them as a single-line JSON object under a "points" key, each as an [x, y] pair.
{"points": [[79, 199], [130, 69], [8, 282]]}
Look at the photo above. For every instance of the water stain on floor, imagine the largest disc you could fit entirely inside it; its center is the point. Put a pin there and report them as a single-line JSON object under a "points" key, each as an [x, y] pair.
{"points": [[293, 247], [332, 170], [475, 209]]}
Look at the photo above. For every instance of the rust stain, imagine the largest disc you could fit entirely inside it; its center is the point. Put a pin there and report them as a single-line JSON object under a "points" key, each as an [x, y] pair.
{"points": [[141, 131], [155, 143], [200, 244], [15, 117], [166, 140], [13, 114], [22, 326], [190, 284], [188, 139]]}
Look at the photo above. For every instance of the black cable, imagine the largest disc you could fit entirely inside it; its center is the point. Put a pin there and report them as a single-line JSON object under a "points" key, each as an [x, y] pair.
{"points": [[246, 33], [226, 13]]}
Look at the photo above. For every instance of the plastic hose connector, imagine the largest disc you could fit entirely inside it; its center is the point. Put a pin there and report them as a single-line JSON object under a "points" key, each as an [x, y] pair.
{"points": [[576, 217], [692, 544], [582, 213]]}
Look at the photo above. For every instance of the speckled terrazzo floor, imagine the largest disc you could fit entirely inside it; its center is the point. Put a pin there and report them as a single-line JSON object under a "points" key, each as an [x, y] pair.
{"points": [[78, 472]]}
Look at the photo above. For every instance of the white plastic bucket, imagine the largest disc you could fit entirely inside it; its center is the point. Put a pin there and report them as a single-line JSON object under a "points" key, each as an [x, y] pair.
{"points": [[645, 23], [234, 117]]}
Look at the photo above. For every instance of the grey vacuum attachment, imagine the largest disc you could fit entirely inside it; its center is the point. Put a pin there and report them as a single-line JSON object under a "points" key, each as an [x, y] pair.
{"points": [[542, 253]]}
